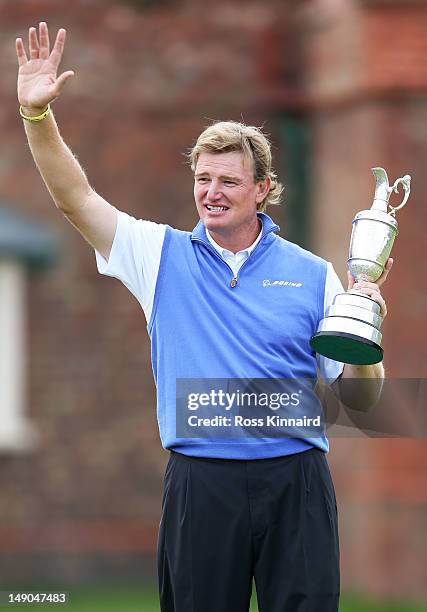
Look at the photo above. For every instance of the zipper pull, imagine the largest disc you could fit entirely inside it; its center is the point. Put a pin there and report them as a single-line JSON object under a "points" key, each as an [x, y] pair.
{"points": [[233, 282]]}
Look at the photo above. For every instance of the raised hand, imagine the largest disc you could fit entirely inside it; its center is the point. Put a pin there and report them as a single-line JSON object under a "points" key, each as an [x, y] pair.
{"points": [[38, 84]]}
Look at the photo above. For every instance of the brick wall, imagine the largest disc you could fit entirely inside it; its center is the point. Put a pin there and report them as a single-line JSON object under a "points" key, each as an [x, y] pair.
{"points": [[146, 83], [366, 87]]}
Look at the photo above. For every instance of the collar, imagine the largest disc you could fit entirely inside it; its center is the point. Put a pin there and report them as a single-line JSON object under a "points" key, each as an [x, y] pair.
{"points": [[223, 252], [268, 226]]}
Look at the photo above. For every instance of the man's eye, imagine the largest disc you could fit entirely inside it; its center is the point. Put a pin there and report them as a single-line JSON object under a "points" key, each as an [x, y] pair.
{"points": [[229, 183], [202, 179]]}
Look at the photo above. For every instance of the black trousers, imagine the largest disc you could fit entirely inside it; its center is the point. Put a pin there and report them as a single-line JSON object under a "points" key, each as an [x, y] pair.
{"points": [[225, 522]]}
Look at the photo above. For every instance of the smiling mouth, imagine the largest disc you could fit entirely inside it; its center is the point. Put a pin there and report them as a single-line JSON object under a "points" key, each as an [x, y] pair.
{"points": [[216, 208]]}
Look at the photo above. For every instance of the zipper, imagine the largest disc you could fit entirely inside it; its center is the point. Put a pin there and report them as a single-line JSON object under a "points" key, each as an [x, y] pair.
{"points": [[212, 250], [234, 279]]}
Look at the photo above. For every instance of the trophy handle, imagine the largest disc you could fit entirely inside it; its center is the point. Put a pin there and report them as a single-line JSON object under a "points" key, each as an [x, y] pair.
{"points": [[406, 182]]}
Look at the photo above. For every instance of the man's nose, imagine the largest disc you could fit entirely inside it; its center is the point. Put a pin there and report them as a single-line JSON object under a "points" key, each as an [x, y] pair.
{"points": [[213, 192]]}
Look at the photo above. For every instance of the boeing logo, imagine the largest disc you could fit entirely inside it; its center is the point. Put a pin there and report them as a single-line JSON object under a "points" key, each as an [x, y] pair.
{"points": [[280, 283]]}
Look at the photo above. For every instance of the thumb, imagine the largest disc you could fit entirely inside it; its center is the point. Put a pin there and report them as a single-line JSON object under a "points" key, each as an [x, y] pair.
{"points": [[61, 80], [350, 280], [387, 268]]}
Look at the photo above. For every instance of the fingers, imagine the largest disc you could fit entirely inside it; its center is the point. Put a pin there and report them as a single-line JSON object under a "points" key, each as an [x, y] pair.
{"points": [[387, 268], [44, 40], [350, 280], [20, 52], [381, 301], [378, 298], [372, 291], [58, 47], [33, 43], [41, 50]]}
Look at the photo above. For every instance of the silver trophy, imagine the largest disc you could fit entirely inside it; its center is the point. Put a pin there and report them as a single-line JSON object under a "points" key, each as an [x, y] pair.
{"points": [[350, 332]]}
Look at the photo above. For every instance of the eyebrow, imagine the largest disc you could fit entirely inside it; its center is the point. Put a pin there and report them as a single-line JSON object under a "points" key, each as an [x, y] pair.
{"points": [[222, 177]]}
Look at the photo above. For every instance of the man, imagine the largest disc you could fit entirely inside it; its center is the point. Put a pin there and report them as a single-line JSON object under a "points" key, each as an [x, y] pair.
{"points": [[229, 301]]}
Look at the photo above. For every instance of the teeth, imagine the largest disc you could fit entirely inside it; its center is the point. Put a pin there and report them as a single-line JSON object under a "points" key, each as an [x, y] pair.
{"points": [[216, 208]]}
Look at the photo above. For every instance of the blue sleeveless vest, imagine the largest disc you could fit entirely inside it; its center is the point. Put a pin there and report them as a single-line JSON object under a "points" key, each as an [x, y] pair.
{"points": [[203, 327]]}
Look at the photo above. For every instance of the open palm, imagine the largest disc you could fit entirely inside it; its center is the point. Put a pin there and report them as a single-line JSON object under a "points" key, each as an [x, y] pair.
{"points": [[38, 84]]}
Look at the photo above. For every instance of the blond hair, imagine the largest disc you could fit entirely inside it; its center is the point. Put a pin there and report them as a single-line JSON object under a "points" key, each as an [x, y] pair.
{"points": [[229, 136]]}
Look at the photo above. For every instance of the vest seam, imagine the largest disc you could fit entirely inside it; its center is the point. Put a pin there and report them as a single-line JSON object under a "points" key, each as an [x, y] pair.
{"points": [[160, 276]]}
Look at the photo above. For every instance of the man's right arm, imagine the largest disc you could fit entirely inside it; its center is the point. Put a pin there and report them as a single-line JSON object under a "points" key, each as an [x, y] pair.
{"points": [[66, 181]]}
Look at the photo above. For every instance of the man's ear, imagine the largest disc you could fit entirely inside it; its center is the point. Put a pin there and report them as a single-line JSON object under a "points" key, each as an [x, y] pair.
{"points": [[263, 189]]}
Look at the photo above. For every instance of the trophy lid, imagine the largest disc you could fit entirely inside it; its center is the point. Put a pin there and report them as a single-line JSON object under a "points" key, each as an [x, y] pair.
{"points": [[373, 214]]}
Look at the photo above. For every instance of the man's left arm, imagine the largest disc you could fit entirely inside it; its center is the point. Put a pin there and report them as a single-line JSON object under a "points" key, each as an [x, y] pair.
{"points": [[367, 383]]}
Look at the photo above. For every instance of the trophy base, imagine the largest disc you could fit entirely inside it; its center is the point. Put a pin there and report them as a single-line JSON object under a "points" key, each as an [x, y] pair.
{"points": [[350, 331], [347, 348]]}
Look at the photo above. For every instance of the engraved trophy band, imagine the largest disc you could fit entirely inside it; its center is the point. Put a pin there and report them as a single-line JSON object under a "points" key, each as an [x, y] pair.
{"points": [[350, 331]]}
